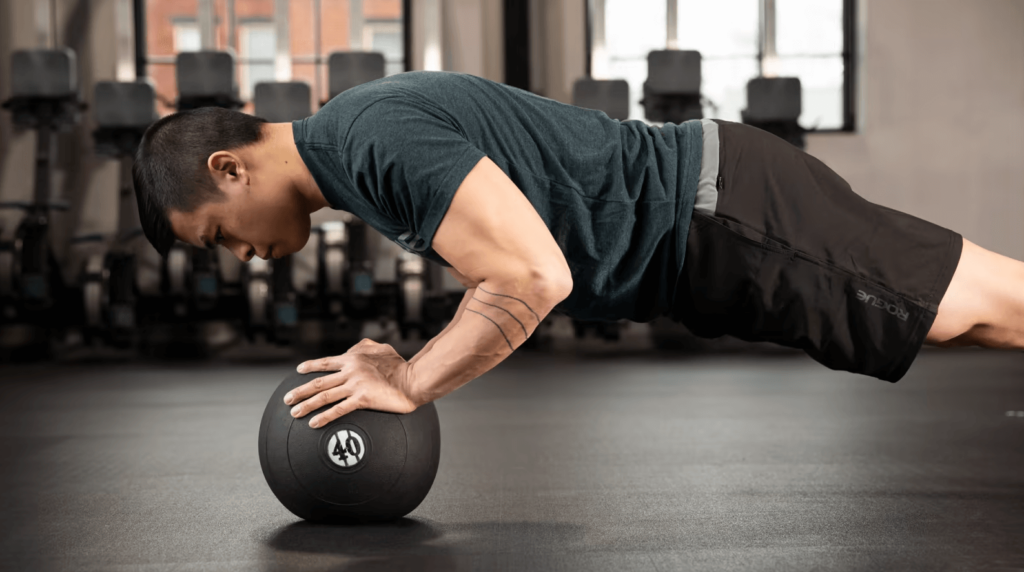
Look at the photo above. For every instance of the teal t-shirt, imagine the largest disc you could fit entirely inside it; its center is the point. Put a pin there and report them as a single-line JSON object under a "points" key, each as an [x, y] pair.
{"points": [[617, 196]]}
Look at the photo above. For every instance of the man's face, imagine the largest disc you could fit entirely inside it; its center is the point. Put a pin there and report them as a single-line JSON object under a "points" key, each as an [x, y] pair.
{"points": [[252, 220]]}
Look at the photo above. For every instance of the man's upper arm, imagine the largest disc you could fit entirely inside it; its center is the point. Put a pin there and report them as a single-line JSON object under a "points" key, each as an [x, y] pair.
{"points": [[492, 232]]}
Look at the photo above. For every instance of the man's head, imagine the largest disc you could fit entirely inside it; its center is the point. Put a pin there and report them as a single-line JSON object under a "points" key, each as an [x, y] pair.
{"points": [[212, 176]]}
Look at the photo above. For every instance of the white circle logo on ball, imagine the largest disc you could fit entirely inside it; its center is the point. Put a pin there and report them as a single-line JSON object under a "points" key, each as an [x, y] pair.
{"points": [[346, 448]]}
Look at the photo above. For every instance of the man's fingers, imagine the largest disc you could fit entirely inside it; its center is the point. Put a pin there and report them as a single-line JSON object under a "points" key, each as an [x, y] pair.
{"points": [[350, 404], [332, 363], [312, 388], [321, 399]]}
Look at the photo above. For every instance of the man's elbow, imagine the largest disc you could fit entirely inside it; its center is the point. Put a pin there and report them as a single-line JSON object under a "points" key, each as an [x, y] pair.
{"points": [[550, 286], [560, 286], [542, 287]]}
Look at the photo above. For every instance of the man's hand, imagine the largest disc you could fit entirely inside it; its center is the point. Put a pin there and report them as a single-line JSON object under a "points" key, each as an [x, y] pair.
{"points": [[368, 376]]}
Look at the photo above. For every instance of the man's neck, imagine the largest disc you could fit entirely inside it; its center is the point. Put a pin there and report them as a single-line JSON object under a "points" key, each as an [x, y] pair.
{"points": [[280, 146]]}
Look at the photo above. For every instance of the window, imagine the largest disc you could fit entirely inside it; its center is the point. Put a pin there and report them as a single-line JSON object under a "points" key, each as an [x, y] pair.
{"points": [[315, 29], [385, 36], [186, 36], [810, 43], [639, 28], [257, 45], [727, 34]]}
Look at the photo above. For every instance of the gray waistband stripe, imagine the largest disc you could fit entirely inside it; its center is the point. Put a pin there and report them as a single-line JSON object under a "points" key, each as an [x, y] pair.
{"points": [[707, 185]]}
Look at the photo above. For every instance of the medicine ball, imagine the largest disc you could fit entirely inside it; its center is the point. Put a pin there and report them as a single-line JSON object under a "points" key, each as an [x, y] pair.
{"points": [[362, 467]]}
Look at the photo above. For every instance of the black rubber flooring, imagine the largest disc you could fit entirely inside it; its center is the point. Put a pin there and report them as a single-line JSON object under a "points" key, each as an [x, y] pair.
{"points": [[548, 463]]}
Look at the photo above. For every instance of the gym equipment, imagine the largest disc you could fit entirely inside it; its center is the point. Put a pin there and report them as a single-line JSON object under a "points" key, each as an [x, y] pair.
{"points": [[282, 102], [775, 104], [347, 288], [411, 275], [44, 97], [349, 69], [609, 96], [672, 89], [332, 292], [206, 79], [271, 300], [190, 279], [123, 111], [363, 467]]}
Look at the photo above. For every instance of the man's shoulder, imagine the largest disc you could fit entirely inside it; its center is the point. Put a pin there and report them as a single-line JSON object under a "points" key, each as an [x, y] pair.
{"points": [[404, 89], [414, 85]]}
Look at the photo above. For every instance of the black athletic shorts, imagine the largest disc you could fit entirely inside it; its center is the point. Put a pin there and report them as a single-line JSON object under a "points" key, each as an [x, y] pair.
{"points": [[780, 249]]}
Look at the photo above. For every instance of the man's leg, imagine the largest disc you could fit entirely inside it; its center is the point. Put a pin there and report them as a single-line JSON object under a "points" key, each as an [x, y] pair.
{"points": [[984, 304]]}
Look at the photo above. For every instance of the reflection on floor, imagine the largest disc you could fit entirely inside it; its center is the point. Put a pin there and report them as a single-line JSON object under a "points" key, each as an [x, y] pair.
{"points": [[640, 462]]}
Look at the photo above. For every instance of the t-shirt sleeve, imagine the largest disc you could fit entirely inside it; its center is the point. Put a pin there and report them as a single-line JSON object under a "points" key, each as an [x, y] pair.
{"points": [[408, 159]]}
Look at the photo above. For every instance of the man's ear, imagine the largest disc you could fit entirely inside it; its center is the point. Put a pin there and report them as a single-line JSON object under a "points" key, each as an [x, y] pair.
{"points": [[228, 171]]}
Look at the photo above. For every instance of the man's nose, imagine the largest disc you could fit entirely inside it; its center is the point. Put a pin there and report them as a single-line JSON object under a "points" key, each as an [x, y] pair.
{"points": [[242, 251]]}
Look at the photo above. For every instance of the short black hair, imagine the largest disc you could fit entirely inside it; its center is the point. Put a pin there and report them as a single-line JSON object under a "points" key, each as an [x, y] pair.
{"points": [[170, 171]]}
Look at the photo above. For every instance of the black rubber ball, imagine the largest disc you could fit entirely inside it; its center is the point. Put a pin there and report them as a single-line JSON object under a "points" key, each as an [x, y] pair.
{"points": [[367, 466]]}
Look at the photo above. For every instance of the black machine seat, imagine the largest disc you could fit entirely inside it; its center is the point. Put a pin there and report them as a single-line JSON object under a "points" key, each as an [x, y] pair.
{"points": [[280, 102], [206, 79], [44, 89], [349, 69], [44, 97], [775, 105], [610, 96], [44, 73], [123, 111], [672, 89], [773, 99]]}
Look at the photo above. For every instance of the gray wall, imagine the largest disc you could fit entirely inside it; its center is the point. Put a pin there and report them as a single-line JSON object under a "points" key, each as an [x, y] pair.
{"points": [[942, 117]]}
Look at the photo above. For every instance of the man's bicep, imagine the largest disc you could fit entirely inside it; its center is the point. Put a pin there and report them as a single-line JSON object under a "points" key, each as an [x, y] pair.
{"points": [[491, 231]]}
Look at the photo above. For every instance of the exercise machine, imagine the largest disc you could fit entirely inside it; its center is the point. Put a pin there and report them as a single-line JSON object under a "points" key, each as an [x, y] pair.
{"points": [[122, 111], [44, 98], [775, 104], [672, 90], [610, 96]]}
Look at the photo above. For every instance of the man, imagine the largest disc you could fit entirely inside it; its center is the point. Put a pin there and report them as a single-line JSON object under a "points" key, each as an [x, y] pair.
{"points": [[534, 205]]}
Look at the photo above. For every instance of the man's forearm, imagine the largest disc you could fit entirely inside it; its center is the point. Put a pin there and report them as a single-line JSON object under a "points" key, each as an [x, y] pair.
{"points": [[495, 320], [455, 320]]}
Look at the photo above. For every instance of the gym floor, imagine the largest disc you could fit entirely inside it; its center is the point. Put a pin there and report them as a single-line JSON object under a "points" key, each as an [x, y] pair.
{"points": [[548, 463]]}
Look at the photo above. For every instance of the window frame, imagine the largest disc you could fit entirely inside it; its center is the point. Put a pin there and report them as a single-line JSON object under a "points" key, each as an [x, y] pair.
{"points": [[178, 25], [244, 61], [372, 26]]}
